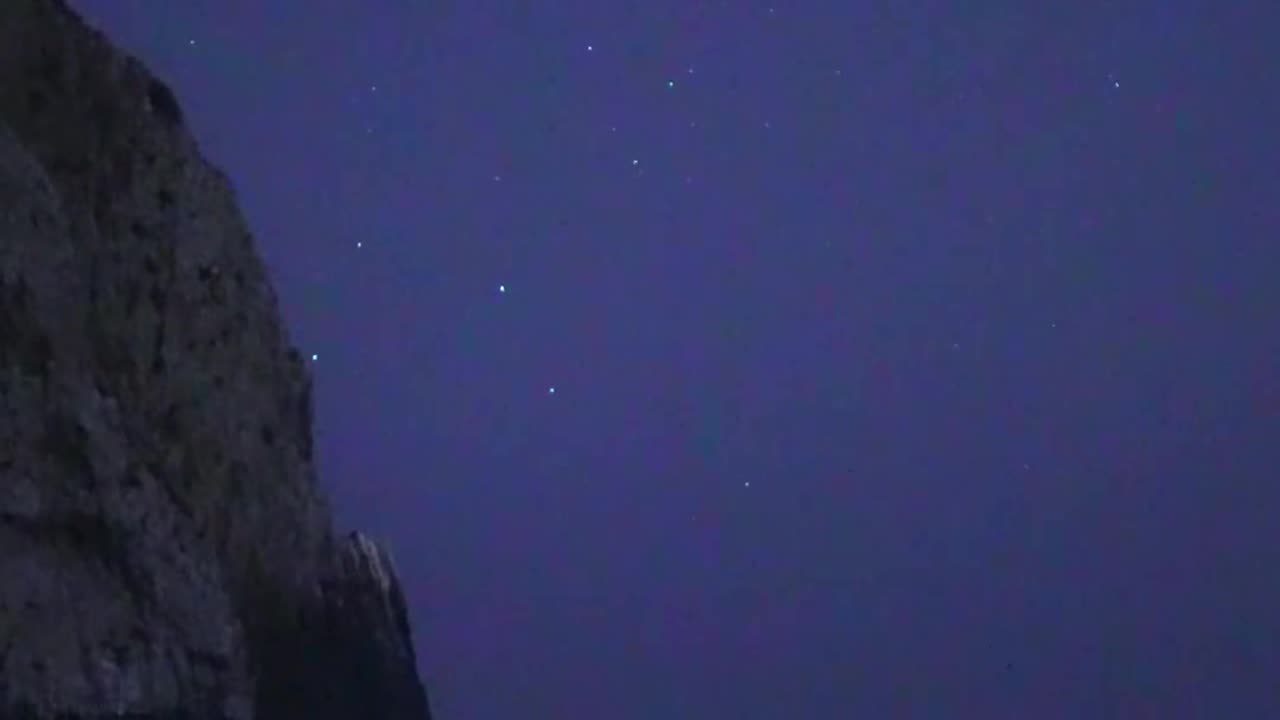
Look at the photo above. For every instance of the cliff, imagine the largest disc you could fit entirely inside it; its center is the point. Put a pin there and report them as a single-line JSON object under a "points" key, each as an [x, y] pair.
{"points": [[164, 550]]}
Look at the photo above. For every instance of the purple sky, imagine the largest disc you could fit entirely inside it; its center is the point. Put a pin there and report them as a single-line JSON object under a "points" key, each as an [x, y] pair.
{"points": [[910, 359]]}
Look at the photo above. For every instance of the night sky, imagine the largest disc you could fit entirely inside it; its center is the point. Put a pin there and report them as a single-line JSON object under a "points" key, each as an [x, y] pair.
{"points": [[815, 360]]}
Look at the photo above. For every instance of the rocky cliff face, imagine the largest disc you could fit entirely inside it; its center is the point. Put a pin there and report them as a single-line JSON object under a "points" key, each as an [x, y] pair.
{"points": [[164, 552]]}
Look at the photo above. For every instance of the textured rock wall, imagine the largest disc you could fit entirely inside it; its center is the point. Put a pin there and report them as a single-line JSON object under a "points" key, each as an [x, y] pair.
{"points": [[163, 547]]}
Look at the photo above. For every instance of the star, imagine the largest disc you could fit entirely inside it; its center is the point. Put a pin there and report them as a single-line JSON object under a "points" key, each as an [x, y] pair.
{"points": [[551, 390], [502, 288]]}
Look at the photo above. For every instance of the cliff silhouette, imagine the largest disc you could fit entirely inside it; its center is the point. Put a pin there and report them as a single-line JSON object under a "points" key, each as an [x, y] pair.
{"points": [[164, 549]]}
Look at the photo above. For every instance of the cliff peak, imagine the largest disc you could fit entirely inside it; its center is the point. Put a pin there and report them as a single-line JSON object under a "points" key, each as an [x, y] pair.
{"points": [[165, 548]]}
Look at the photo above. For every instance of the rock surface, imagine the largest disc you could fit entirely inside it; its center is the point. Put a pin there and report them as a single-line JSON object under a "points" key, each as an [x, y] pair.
{"points": [[164, 550]]}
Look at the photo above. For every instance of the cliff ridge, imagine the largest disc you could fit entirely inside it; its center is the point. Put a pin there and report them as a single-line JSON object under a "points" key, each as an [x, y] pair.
{"points": [[165, 550]]}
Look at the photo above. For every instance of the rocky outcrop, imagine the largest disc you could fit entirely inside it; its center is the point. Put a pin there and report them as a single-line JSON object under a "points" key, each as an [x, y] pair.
{"points": [[164, 551]]}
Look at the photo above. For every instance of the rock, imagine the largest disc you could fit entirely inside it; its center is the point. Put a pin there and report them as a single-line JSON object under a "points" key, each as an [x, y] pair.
{"points": [[164, 549]]}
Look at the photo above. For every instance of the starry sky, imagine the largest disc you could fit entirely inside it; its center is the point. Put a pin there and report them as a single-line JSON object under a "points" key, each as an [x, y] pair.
{"points": [[806, 360]]}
